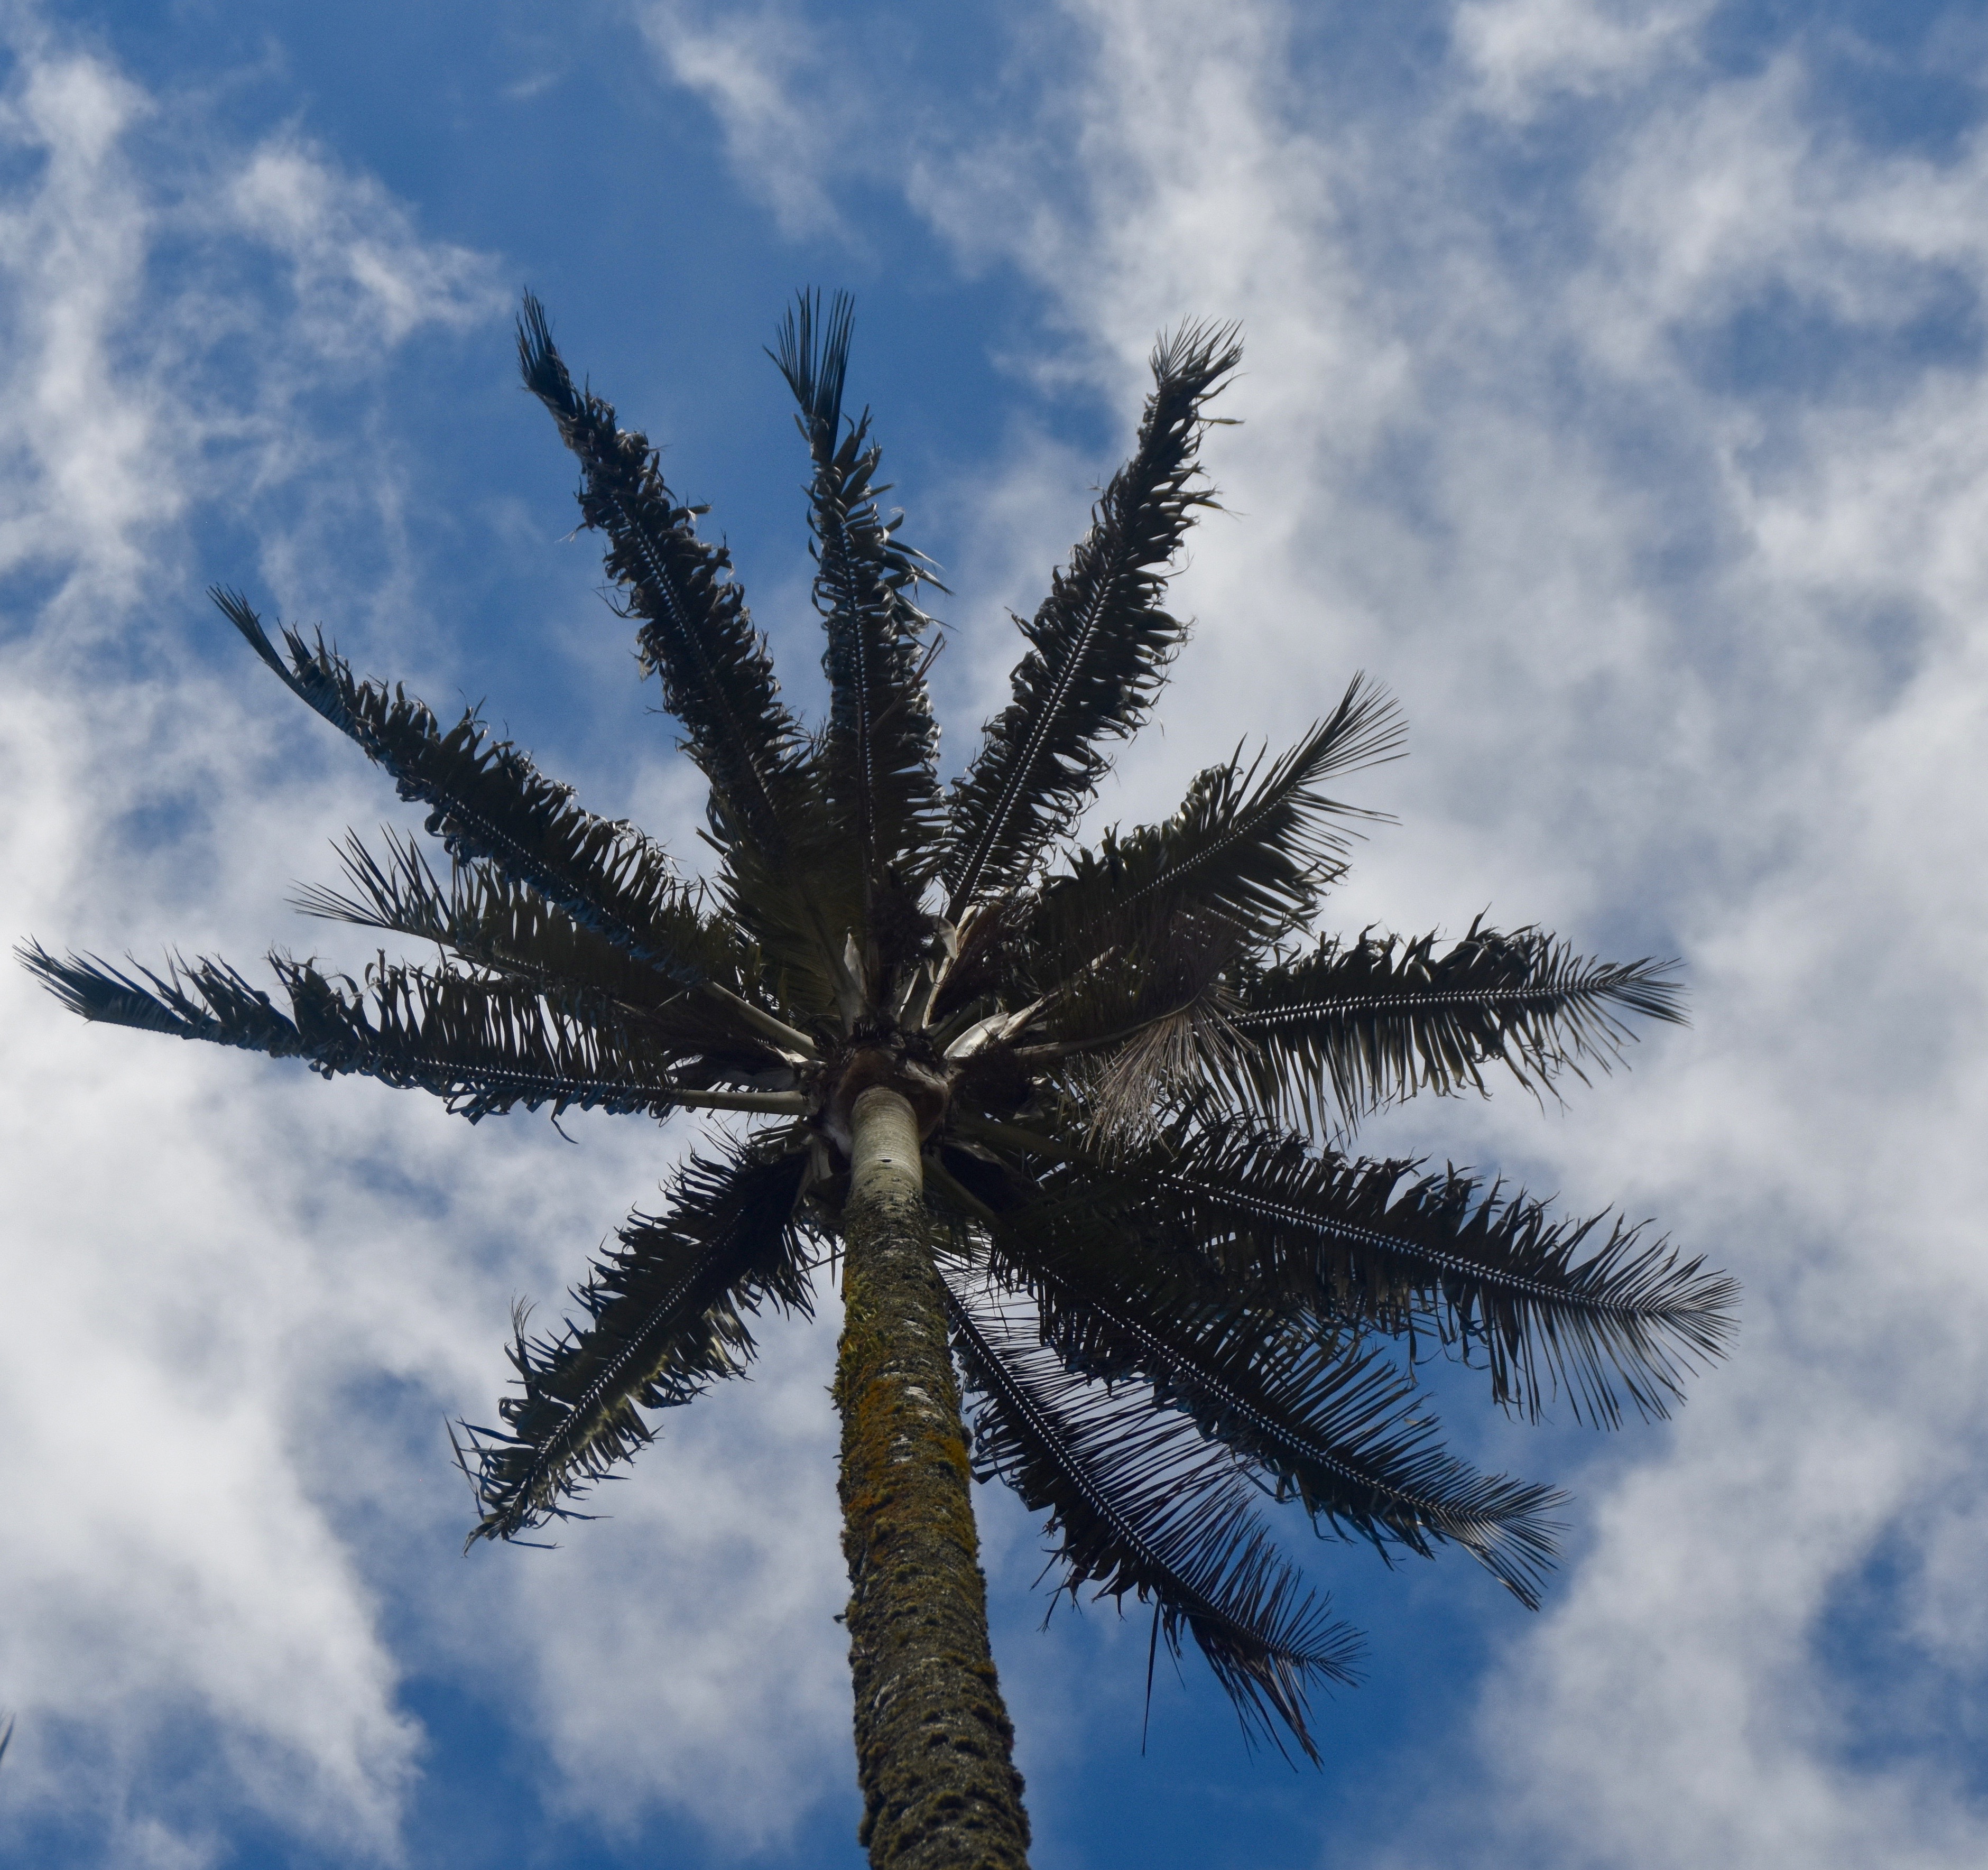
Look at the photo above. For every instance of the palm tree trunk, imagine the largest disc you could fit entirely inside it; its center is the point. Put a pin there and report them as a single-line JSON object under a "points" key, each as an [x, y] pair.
{"points": [[933, 1740]]}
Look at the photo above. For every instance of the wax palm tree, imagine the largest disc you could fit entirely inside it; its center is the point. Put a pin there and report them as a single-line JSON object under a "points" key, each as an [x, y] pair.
{"points": [[1077, 1117]]}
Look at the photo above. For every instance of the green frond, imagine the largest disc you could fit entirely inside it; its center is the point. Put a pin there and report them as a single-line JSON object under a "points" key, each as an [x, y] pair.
{"points": [[666, 1317], [486, 801], [1353, 1026], [1141, 1503], [1099, 646], [1551, 1308], [878, 757], [485, 1046]]}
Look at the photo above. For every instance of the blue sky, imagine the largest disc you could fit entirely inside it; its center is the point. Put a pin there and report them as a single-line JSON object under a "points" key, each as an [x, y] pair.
{"points": [[1615, 395]]}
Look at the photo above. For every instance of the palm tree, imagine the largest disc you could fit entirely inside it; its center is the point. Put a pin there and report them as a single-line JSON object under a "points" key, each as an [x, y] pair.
{"points": [[1076, 1121]]}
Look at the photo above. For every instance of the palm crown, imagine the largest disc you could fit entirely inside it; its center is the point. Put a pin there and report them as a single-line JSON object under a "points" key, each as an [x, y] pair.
{"points": [[1134, 1069]]}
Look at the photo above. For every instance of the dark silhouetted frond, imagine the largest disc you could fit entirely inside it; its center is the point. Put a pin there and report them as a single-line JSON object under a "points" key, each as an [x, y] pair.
{"points": [[666, 1317], [1329, 1423], [484, 918], [694, 629], [1552, 1307], [480, 915], [878, 753], [1253, 853], [486, 801], [1099, 646], [1358, 1024], [1142, 1502], [485, 1045]]}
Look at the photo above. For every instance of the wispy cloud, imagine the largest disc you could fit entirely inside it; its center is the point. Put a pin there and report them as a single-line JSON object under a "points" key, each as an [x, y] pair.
{"points": [[788, 108]]}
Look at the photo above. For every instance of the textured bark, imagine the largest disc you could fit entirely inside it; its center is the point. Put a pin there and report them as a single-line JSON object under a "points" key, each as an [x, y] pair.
{"points": [[933, 1740]]}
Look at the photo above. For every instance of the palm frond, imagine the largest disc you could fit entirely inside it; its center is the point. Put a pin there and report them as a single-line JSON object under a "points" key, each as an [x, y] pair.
{"points": [[1142, 1502], [878, 754], [1254, 853], [484, 1046], [1099, 646], [666, 1317], [1332, 1424], [694, 630], [1321, 1417], [486, 801], [1553, 1305], [1127, 1092], [1176, 966], [481, 916], [1355, 1025]]}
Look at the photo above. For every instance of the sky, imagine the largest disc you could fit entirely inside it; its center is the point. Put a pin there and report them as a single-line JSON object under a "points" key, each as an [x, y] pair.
{"points": [[1614, 395]]}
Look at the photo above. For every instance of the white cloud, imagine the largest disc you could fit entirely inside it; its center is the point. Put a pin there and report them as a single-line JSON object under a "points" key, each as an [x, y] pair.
{"points": [[1524, 53], [744, 63], [360, 274]]}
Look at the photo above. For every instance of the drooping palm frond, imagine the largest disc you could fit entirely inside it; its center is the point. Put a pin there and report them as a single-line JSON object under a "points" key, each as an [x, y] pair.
{"points": [[667, 1316], [1099, 645], [1253, 853], [1318, 1414], [1141, 1503], [694, 631], [1128, 1092], [486, 801], [485, 1046], [1331, 1423], [878, 752], [1355, 1025], [1555, 1305]]}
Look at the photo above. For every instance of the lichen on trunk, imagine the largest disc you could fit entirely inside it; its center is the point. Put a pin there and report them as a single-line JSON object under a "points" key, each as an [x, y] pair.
{"points": [[934, 1744]]}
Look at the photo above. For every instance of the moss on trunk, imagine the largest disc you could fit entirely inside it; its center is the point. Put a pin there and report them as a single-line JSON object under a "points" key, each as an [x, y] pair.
{"points": [[933, 1740]]}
